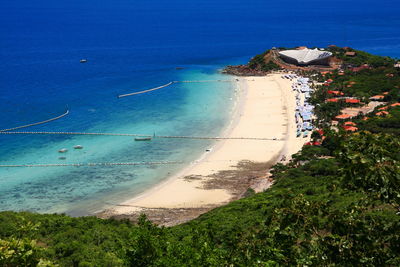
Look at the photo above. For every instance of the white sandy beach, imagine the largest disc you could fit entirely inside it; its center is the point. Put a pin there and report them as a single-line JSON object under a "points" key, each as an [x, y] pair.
{"points": [[265, 109]]}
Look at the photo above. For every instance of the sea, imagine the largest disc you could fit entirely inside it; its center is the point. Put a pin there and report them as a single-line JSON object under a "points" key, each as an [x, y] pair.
{"points": [[132, 46]]}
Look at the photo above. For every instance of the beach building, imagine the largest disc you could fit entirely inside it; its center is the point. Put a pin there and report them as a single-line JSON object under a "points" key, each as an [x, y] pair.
{"points": [[332, 100], [343, 116], [350, 128], [305, 56], [350, 53], [352, 101], [350, 123], [377, 97], [382, 113]]}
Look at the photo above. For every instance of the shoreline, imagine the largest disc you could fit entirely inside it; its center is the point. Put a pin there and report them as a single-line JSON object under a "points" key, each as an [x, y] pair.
{"points": [[264, 108]]}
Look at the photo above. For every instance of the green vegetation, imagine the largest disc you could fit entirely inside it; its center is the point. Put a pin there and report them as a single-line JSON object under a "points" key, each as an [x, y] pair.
{"points": [[333, 205], [260, 63], [388, 124], [361, 58]]}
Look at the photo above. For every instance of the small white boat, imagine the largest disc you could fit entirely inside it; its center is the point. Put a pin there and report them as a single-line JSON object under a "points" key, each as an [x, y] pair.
{"points": [[83, 60], [78, 147], [63, 150]]}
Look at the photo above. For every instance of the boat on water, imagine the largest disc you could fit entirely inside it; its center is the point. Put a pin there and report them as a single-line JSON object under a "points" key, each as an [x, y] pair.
{"points": [[63, 150], [142, 138], [62, 158], [83, 60], [78, 147]]}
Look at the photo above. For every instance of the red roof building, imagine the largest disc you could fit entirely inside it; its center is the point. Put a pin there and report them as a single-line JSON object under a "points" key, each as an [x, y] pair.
{"points": [[382, 113], [326, 72], [343, 116], [335, 92], [395, 105], [350, 123], [350, 53], [350, 128], [332, 100], [363, 67], [352, 101]]}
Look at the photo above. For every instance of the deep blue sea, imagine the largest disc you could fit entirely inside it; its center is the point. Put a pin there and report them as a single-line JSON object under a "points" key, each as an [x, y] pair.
{"points": [[132, 46]]}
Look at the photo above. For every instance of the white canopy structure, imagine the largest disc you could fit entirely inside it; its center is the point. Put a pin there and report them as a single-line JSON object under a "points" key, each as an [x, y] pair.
{"points": [[305, 56]]}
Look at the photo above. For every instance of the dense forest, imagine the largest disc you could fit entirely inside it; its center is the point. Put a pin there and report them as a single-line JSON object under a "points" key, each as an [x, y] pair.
{"points": [[333, 204]]}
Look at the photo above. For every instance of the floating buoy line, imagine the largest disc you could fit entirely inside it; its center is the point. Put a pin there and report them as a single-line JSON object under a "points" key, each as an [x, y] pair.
{"points": [[145, 135], [36, 123], [91, 164], [171, 83]]}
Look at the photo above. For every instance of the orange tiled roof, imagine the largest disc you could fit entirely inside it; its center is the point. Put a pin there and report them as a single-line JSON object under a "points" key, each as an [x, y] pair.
{"points": [[350, 128], [353, 101], [332, 100], [381, 113], [350, 123], [343, 116], [335, 92], [350, 53]]}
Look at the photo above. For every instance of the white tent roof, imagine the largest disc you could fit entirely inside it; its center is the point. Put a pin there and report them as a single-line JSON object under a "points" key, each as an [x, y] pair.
{"points": [[305, 56]]}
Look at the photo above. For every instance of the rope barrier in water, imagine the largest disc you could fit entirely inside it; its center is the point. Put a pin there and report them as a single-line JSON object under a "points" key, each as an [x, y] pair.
{"points": [[151, 136], [204, 81], [146, 91], [91, 164], [36, 123], [171, 83], [80, 133]]}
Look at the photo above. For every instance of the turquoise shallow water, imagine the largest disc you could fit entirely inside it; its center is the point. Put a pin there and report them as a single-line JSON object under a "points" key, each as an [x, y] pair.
{"points": [[202, 109]]}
